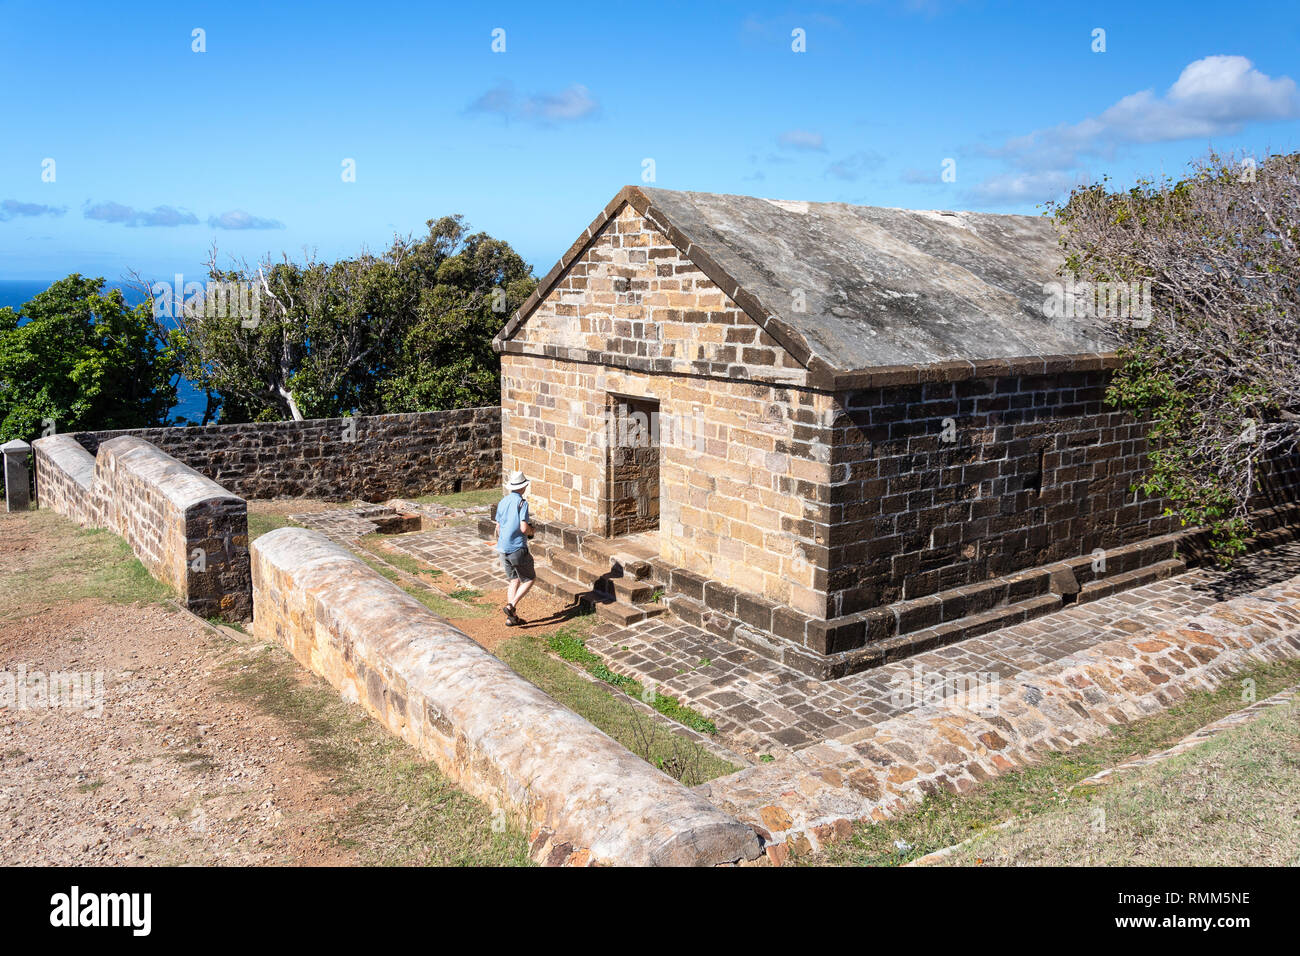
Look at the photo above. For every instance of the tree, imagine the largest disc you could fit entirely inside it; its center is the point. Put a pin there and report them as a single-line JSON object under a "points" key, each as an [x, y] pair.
{"points": [[1216, 367], [407, 330], [83, 359], [469, 285]]}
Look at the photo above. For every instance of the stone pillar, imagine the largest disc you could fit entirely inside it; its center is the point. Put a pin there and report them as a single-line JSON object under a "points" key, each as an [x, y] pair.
{"points": [[18, 486]]}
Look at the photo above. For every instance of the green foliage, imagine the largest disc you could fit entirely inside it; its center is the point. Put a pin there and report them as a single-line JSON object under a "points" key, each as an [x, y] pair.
{"points": [[84, 359], [1215, 369], [409, 330]]}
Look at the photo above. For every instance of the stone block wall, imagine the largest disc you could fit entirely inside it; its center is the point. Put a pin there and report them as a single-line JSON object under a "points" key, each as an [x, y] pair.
{"points": [[632, 299], [498, 736], [65, 478], [371, 457], [945, 484], [188, 531], [743, 463], [745, 504]]}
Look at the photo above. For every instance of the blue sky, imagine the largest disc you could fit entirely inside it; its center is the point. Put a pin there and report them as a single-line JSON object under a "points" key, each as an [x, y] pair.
{"points": [[159, 150]]}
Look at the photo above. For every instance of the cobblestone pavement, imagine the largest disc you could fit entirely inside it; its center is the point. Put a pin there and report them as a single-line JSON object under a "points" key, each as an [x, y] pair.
{"points": [[815, 794], [456, 550], [762, 707]]}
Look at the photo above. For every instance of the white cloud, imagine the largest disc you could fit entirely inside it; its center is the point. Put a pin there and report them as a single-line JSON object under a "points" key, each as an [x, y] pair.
{"points": [[856, 165], [159, 216], [1017, 188], [916, 176], [802, 139], [10, 208], [574, 102], [1214, 96], [238, 219]]}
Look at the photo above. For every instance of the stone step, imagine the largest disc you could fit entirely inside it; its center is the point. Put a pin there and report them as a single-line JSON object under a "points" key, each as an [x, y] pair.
{"points": [[552, 582], [631, 590], [973, 625], [1114, 583], [620, 612], [607, 606], [598, 551], [579, 569]]}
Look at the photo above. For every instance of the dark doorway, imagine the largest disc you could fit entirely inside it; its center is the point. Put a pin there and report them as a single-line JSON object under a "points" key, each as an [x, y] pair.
{"points": [[632, 473]]}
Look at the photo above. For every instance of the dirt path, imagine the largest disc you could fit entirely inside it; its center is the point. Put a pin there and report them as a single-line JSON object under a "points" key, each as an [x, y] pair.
{"points": [[207, 749], [177, 769]]}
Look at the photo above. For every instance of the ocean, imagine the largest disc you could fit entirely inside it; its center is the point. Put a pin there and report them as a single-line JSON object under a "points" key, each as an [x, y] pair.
{"points": [[190, 401]]}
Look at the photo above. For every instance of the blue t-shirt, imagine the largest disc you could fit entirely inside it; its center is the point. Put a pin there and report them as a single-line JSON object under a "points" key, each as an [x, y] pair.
{"points": [[511, 512]]}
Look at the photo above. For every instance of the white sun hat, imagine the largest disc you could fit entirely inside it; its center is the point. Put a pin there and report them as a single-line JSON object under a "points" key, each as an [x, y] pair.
{"points": [[517, 481]]}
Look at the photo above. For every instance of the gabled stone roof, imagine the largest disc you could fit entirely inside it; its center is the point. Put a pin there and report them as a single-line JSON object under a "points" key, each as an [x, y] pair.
{"points": [[880, 289]]}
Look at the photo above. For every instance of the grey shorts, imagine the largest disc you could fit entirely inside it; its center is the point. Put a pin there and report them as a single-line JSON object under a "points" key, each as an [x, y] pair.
{"points": [[518, 564]]}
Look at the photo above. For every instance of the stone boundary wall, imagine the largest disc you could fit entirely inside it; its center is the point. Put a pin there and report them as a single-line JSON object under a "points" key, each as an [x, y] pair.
{"points": [[65, 478], [498, 736], [187, 530], [370, 457]]}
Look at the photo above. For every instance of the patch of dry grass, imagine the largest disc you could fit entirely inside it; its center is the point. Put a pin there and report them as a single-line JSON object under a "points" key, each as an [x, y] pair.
{"points": [[1232, 801], [52, 560]]}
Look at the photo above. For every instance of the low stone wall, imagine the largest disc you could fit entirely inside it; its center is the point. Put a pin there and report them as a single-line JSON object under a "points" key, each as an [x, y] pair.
{"points": [[186, 529], [498, 736], [65, 478], [371, 457]]}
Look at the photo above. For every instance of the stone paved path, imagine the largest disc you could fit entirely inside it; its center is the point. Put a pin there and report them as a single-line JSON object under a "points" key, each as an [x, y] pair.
{"points": [[815, 794], [456, 550], [762, 707], [342, 524]]}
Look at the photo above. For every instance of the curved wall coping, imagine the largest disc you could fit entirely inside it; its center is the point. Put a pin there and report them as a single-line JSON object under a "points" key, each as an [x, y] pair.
{"points": [[498, 735], [180, 484], [70, 457]]}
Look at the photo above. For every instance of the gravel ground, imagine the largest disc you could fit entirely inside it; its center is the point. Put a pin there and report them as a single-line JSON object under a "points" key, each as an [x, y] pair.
{"points": [[209, 748], [176, 770]]}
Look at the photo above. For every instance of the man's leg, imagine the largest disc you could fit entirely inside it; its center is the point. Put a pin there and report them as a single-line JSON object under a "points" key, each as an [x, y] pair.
{"points": [[524, 587], [527, 574], [512, 580]]}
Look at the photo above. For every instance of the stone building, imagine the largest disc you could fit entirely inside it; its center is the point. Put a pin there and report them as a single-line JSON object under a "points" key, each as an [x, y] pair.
{"points": [[868, 438]]}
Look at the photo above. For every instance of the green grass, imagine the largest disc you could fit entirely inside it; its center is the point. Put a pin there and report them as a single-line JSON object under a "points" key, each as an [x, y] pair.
{"points": [[946, 819], [373, 544], [569, 644], [76, 563], [534, 658], [404, 810], [480, 498], [430, 598], [262, 522]]}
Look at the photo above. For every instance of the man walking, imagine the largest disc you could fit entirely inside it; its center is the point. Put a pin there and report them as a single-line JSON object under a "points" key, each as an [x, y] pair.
{"points": [[513, 532]]}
